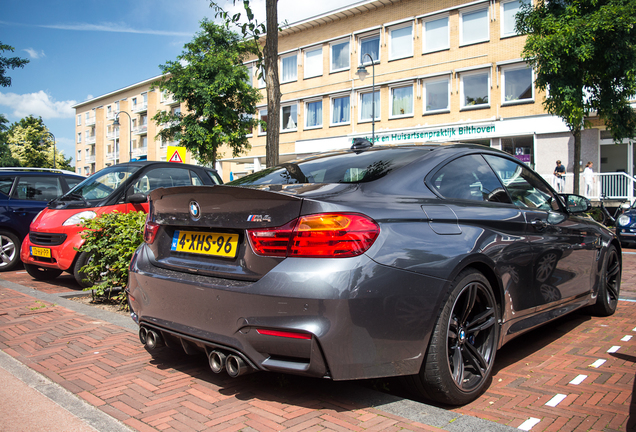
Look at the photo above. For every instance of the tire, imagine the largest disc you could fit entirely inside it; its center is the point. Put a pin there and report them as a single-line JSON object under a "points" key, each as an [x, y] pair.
{"points": [[9, 250], [42, 273], [80, 277], [609, 284], [458, 364]]}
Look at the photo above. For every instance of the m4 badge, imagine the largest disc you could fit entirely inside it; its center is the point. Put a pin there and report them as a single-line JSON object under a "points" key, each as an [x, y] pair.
{"points": [[259, 218]]}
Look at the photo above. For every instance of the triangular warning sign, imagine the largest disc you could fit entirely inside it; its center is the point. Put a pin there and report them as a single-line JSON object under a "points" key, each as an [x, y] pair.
{"points": [[176, 158]]}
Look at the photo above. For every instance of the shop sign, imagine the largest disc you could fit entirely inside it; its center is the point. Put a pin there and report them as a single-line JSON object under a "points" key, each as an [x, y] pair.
{"points": [[452, 133]]}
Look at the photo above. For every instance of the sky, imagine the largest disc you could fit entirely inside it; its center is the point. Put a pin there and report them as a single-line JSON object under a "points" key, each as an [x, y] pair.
{"points": [[83, 49]]}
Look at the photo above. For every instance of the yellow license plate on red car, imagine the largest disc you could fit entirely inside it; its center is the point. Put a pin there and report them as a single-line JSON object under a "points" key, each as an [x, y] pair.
{"points": [[205, 243], [40, 252]]}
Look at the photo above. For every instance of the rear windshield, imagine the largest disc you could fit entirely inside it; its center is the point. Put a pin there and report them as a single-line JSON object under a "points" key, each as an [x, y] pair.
{"points": [[336, 168]]}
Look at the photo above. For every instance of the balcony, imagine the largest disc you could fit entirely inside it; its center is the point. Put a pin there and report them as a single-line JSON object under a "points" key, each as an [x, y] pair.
{"points": [[90, 121], [140, 129], [90, 159], [91, 139], [111, 156], [168, 100], [165, 144], [111, 135], [140, 107], [140, 151], [111, 115]]}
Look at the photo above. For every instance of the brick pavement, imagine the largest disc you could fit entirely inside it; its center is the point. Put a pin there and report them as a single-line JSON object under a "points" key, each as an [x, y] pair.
{"points": [[106, 366]]}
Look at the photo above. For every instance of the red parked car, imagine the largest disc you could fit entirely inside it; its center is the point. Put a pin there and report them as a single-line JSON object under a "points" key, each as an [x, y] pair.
{"points": [[55, 233]]}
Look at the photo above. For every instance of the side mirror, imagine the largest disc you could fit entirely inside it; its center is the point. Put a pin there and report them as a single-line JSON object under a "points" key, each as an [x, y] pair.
{"points": [[138, 198], [576, 203]]}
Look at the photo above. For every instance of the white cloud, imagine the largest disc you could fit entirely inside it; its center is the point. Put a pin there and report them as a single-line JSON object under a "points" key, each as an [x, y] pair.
{"points": [[112, 28], [34, 54], [38, 104]]}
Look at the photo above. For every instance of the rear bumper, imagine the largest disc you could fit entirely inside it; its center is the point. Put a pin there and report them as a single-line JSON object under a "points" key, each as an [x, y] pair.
{"points": [[364, 320]]}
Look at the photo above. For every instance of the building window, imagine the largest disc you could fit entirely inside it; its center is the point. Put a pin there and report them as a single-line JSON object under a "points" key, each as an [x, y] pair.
{"points": [[262, 127], [436, 95], [79, 120], [313, 114], [436, 35], [340, 111], [313, 62], [339, 56], [475, 89], [250, 74], [79, 137], [79, 155], [88, 115], [366, 106], [289, 118], [517, 84], [401, 101], [175, 111], [261, 79], [401, 42], [508, 20], [290, 68], [474, 27], [369, 45], [117, 106]]}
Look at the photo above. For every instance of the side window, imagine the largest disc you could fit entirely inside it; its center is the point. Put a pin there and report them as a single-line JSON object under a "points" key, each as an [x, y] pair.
{"points": [[37, 188], [72, 181], [5, 185], [214, 177], [195, 179], [163, 177], [524, 187], [469, 178]]}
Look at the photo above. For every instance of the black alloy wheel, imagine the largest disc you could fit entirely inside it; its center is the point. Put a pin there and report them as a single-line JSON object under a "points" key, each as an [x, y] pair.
{"points": [[609, 284], [462, 349]]}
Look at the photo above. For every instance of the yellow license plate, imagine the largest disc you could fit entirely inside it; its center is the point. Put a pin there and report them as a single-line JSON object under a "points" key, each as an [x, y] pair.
{"points": [[204, 243], [40, 252]]}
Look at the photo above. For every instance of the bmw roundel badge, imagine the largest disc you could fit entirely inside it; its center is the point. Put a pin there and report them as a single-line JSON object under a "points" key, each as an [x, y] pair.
{"points": [[195, 210]]}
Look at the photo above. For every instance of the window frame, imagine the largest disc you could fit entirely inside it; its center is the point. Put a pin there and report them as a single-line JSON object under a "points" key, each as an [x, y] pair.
{"points": [[462, 94], [397, 27], [361, 38], [503, 23], [282, 107], [305, 69], [250, 74], [377, 112], [511, 68], [434, 80], [307, 103], [262, 131], [282, 60], [331, 101], [469, 11], [79, 120], [331, 46], [432, 19], [391, 101]]}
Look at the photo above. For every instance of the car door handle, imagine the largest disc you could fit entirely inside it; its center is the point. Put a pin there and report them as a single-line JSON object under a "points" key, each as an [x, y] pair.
{"points": [[539, 224]]}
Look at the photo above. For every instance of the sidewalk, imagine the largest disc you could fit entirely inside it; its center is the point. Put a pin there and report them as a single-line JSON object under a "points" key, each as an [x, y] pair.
{"points": [[94, 360]]}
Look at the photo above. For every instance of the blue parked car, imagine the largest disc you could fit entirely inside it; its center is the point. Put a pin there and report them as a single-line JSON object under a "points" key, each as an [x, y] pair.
{"points": [[24, 192]]}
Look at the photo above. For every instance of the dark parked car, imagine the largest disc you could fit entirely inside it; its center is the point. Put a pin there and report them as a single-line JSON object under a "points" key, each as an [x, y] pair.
{"points": [[626, 226], [56, 233], [24, 192], [414, 261]]}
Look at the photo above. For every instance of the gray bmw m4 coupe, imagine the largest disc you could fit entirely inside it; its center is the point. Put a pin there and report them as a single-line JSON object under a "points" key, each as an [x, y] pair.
{"points": [[414, 261]]}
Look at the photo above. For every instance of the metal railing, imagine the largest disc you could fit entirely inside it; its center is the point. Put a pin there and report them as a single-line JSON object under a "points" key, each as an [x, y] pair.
{"points": [[90, 159], [90, 121], [112, 134], [140, 151], [617, 186], [140, 129], [140, 107], [111, 156], [91, 139]]}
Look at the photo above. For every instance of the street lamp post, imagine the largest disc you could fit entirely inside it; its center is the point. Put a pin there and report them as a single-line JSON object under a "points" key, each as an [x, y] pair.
{"points": [[116, 123], [362, 74], [52, 136]]}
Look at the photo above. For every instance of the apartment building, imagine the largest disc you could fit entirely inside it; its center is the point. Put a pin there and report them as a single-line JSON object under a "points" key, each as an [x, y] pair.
{"points": [[99, 143], [438, 71]]}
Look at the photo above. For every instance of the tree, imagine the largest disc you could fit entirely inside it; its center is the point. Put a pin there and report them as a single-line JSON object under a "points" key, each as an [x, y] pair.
{"points": [[31, 144], [267, 62], [9, 63], [6, 160], [210, 78], [584, 56]]}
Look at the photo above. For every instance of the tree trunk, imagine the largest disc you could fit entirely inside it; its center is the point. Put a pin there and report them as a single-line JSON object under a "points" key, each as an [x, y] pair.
{"points": [[273, 86], [576, 170]]}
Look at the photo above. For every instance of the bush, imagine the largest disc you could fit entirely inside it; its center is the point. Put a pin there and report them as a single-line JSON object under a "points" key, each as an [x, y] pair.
{"points": [[111, 239]]}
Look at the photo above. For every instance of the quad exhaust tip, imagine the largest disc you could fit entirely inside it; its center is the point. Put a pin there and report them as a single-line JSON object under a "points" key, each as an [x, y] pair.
{"points": [[236, 367], [217, 361], [150, 338]]}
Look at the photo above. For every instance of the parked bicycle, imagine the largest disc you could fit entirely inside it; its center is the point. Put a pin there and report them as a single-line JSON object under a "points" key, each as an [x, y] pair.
{"points": [[605, 217]]}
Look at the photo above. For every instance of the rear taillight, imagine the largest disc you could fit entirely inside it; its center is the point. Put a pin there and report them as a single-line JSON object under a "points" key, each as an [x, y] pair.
{"points": [[327, 235], [150, 231]]}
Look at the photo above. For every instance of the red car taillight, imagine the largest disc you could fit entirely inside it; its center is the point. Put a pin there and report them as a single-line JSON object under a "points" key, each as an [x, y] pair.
{"points": [[150, 231], [327, 235]]}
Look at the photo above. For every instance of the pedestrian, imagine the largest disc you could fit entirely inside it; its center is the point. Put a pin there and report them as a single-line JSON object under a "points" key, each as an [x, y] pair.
{"points": [[588, 176], [559, 175]]}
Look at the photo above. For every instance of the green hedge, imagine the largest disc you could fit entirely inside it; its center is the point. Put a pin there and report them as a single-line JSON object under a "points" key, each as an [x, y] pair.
{"points": [[111, 239]]}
